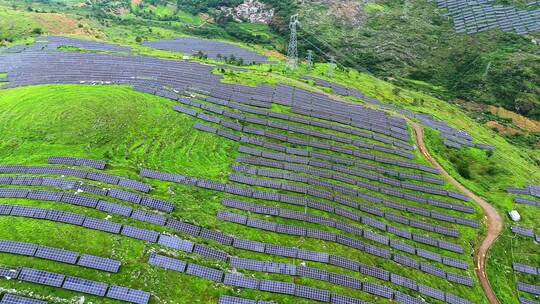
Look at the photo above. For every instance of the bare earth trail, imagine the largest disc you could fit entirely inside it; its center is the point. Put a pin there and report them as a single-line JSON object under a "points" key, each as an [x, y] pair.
{"points": [[493, 219]]}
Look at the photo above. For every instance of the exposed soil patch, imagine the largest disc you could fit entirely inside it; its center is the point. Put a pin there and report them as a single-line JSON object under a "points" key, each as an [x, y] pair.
{"points": [[518, 120], [60, 24], [501, 129]]}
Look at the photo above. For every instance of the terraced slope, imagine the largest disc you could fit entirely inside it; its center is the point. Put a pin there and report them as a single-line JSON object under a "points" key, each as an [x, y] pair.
{"points": [[363, 227]]}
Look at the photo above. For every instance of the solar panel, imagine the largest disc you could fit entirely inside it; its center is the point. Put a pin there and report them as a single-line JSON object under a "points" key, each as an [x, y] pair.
{"points": [[402, 246], [41, 277], [452, 299], [436, 271], [103, 177], [183, 227], [343, 280], [280, 268], [344, 262], [403, 281], [139, 233], [313, 255], [128, 294], [157, 204], [405, 260], [428, 255], [281, 250], [314, 273], [208, 252], [312, 293], [167, 262], [525, 268], [9, 273], [450, 246], [321, 234], [240, 281], [102, 225], [375, 272], [205, 272], [406, 299], [235, 300], [460, 279], [232, 217], [216, 236], [454, 263], [125, 195], [114, 208], [431, 292], [249, 245], [277, 287], [44, 195], [99, 263], [176, 243], [13, 299], [149, 217], [135, 185], [86, 286], [17, 247], [378, 290], [341, 299], [57, 254]]}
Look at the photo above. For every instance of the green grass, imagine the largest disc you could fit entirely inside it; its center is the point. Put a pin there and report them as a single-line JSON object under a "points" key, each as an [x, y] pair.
{"points": [[15, 26]]}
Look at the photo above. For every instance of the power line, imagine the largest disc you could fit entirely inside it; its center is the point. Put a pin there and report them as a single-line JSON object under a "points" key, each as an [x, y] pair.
{"points": [[292, 51]]}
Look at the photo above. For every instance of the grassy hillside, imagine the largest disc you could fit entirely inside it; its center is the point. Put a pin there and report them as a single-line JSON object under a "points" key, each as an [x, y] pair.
{"points": [[487, 174], [132, 130]]}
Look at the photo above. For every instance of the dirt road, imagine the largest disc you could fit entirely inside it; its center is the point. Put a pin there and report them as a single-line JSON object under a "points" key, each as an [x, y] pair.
{"points": [[493, 219]]}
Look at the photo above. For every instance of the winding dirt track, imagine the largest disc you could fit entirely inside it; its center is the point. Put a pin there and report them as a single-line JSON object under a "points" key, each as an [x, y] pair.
{"points": [[493, 219]]}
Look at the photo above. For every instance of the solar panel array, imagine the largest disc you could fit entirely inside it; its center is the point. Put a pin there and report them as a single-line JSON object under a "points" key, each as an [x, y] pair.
{"points": [[482, 15], [54, 42], [454, 137], [83, 174], [321, 295], [237, 300], [380, 133], [77, 161], [59, 255], [528, 190], [13, 299], [213, 49], [54, 279], [79, 198], [181, 244]]}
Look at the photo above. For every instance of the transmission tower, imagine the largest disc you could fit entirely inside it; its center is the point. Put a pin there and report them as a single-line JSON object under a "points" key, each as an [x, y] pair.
{"points": [[292, 52], [331, 66], [309, 59]]}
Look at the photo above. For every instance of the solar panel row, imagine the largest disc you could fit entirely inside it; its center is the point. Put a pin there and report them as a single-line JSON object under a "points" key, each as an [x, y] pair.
{"points": [[84, 174], [81, 285], [277, 286], [370, 249], [325, 235], [291, 128], [76, 161], [79, 199]]}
